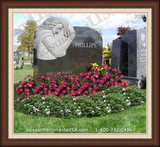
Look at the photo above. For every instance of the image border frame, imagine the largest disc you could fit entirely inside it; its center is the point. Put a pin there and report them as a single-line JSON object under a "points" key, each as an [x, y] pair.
{"points": [[5, 5]]}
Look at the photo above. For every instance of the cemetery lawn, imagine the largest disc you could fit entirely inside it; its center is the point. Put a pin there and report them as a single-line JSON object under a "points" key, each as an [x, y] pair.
{"points": [[21, 73], [133, 118]]}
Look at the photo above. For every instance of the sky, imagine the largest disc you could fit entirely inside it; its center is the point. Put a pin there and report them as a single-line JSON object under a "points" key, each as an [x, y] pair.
{"points": [[107, 22]]}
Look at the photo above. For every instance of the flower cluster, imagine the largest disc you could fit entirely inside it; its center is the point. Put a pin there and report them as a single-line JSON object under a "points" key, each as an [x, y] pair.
{"points": [[97, 79]]}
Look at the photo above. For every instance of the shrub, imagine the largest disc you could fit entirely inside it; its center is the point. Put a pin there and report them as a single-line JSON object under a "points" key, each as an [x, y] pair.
{"points": [[113, 100], [97, 79]]}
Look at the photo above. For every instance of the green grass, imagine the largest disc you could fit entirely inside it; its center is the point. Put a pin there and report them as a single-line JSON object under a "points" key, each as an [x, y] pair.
{"points": [[21, 73], [133, 118]]}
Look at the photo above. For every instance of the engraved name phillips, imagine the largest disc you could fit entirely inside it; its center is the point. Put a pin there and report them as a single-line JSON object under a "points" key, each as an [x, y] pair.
{"points": [[52, 38]]}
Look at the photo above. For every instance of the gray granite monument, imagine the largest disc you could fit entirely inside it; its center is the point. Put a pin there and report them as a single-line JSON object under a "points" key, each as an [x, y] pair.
{"points": [[129, 56]]}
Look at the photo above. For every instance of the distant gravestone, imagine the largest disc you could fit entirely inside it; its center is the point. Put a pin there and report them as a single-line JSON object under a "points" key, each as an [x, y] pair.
{"points": [[129, 56], [120, 55], [84, 47], [16, 57]]}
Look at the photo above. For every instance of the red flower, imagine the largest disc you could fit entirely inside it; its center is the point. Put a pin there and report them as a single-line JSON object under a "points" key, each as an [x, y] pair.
{"points": [[90, 89], [18, 98]]}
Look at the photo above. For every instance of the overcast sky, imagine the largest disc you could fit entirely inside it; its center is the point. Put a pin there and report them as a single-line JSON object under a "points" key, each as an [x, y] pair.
{"points": [[107, 22]]}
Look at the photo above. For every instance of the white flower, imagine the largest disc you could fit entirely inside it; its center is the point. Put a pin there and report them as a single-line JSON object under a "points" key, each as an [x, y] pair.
{"points": [[103, 91], [122, 109], [42, 98], [35, 109], [47, 106], [74, 99], [104, 101], [98, 108], [61, 110], [27, 98], [142, 101], [129, 104], [124, 93], [43, 102], [107, 107], [25, 105], [123, 89], [74, 103], [92, 111], [68, 110], [108, 89], [77, 110], [79, 113], [46, 109], [48, 112], [109, 111], [104, 96], [127, 100]]}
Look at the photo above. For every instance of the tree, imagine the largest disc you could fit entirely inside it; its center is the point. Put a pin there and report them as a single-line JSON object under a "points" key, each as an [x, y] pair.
{"points": [[26, 38], [122, 31]]}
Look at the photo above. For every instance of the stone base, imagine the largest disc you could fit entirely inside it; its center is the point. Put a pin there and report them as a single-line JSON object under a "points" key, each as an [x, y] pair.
{"points": [[133, 81]]}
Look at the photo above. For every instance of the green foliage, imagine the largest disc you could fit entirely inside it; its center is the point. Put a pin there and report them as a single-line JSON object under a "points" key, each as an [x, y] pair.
{"points": [[113, 100]]}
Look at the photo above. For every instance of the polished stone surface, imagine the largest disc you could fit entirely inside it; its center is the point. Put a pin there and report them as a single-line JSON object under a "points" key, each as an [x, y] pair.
{"points": [[86, 48]]}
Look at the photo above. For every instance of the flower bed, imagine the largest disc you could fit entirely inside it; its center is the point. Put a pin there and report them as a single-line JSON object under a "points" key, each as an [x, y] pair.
{"points": [[113, 100], [97, 79]]}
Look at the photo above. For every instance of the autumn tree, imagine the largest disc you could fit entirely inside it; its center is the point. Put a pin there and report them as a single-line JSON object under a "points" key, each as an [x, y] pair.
{"points": [[26, 38], [121, 31]]}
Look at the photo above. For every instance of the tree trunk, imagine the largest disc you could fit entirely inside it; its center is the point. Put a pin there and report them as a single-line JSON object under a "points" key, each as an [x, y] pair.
{"points": [[28, 54]]}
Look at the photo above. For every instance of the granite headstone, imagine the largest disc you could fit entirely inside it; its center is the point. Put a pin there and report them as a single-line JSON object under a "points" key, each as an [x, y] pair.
{"points": [[85, 48], [16, 57], [129, 56]]}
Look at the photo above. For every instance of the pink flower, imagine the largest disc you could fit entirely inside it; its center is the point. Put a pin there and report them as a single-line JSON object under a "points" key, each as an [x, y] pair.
{"points": [[49, 92], [119, 72], [99, 85], [54, 85], [31, 82], [90, 89], [112, 80], [121, 76], [42, 77], [72, 92], [113, 69], [60, 95], [25, 86], [38, 87], [64, 91], [45, 89], [58, 90], [56, 93], [109, 68], [20, 90], [68, 88], [107, 83], [85, 92], [101, 81], [18, 98], [41, 92], [46, 79], [35, 90], [115, 84], [65, 76]]}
